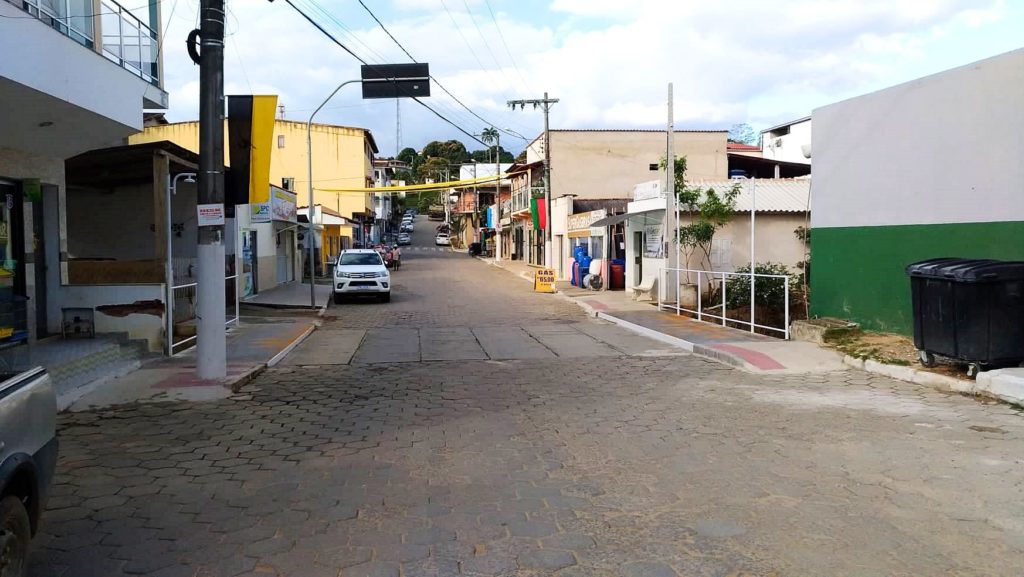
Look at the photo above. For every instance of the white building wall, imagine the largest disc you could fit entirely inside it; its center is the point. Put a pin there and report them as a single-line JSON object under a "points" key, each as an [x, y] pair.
{"points": [[789, 147], [137, 325], [773, 235], [63, 68], [925, 152], [561, 249]]}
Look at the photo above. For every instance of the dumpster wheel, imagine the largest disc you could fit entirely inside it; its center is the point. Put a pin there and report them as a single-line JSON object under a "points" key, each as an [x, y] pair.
{"points": [[927, 359], [972, 370]]}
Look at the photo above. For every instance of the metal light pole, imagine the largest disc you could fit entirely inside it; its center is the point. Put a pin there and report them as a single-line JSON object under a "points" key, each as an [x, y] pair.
{"points": [[753, 209], [211, 362], [476, 206], [171, 189], [497, 198], [379, 81], [312, 209]]}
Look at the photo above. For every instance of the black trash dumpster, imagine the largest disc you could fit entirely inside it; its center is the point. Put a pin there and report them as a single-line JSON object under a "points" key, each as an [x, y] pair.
{"points": [[474, 249], [968, 310]]}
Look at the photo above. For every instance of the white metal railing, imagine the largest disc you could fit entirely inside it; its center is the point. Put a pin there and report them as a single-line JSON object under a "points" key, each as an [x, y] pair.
{"points": [[680, 274], [520, 200], [184, 298]]}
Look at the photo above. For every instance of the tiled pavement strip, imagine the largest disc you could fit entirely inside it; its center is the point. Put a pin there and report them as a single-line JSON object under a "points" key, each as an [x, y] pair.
{"points": [[628, 465]]}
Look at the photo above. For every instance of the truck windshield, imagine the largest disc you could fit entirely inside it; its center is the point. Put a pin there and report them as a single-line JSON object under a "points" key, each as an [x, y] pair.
{"points": [[360, 259]]}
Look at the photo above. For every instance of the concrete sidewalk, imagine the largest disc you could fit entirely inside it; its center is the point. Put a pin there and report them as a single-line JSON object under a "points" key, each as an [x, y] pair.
{"points": [[743, 349], [516, 267], [257, 341], [292, 295]]}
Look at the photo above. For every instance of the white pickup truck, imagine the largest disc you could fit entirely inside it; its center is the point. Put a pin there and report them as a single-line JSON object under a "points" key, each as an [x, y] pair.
{"points": [[28, 457]]}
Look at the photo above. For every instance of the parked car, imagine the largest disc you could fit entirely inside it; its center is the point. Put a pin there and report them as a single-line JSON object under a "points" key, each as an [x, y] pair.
{"points": [[407, 227], [361, 272], [404, 239], [28, 457], [442, 239]]}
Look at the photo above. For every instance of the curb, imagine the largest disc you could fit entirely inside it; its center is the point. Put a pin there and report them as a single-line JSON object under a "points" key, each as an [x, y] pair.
{"points": [[245, 378], [284, 352], [650, 333], [495, 265], [983, 386], [697, 349], [912, 375], [723, 357], [591, 311], [248, 376]]}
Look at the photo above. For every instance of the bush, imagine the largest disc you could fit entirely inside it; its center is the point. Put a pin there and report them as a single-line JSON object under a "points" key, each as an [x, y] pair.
{"points": [[770, 291]]}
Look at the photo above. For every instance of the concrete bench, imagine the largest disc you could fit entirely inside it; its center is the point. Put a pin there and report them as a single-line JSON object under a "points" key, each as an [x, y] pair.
{"points": [[647, 286]]}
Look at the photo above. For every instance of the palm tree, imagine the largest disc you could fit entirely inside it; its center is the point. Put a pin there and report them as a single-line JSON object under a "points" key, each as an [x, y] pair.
{"points": [[489, 135]]}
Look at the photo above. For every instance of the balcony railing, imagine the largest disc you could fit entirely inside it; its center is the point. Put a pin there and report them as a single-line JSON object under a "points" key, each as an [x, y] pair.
{"points": [[125, 38], [521, 198], [130, 42]]}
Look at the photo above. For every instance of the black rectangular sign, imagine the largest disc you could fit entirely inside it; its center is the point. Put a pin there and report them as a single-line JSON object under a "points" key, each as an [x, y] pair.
{"points": [[396, 80]]}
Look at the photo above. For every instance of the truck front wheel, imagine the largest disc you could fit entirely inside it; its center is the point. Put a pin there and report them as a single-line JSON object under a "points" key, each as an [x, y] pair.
{"points": [[15, 532]]}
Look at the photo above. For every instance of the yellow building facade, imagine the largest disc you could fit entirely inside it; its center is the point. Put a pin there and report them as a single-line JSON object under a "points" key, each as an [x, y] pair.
{"points": [[342, 158]]}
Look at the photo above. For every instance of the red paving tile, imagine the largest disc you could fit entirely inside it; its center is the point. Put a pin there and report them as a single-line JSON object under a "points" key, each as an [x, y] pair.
{"points": [[755, 358]]}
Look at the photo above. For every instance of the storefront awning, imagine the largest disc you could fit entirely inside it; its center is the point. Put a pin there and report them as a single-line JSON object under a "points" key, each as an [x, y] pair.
{"points": [[609, 220]]}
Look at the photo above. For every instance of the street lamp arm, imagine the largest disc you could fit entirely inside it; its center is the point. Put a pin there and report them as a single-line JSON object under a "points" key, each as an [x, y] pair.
{"points": [[309, 163]]}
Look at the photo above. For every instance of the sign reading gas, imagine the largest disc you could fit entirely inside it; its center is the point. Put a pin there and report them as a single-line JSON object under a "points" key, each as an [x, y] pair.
{"points": [[544, 280]]}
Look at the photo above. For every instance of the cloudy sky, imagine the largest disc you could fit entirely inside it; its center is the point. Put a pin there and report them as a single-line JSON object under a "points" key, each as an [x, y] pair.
{"points": [[608, 61]]}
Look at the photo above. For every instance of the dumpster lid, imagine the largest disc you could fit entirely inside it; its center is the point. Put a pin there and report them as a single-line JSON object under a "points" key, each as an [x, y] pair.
{"points": [[937, 267], [996, 271], [967, 270]]}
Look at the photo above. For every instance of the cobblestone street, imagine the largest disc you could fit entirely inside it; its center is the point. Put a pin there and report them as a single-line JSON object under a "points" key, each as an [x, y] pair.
{"points": [[611, 456]]}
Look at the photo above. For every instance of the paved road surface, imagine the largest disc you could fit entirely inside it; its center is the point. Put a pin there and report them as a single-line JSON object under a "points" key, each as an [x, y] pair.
{"points": [[474, 428]]}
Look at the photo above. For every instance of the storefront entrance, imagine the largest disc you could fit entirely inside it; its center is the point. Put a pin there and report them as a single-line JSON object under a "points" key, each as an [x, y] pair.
{"points": [[13, 301], [285, 256]]}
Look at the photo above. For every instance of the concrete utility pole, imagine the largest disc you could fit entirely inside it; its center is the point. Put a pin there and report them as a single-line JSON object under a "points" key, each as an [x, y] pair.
{"points": [[546, 104], [211, 338]]}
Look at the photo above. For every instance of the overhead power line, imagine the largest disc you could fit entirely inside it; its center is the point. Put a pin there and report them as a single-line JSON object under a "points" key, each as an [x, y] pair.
{"points": [[435, 80], [361, 60], [505, 44], [373, 57], [486, 43]]}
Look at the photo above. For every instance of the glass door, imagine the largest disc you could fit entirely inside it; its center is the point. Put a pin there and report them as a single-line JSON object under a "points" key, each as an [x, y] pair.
{"points": [[13, 309]]}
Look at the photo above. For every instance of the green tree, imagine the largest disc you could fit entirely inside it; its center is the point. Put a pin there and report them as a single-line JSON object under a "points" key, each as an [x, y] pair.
{"points": [[408, 176], [742, 133], [708, 210], [427, 198], [769, 292], [451, 150], [409, 156], [490, 136], [487, 156], [434, 168]]}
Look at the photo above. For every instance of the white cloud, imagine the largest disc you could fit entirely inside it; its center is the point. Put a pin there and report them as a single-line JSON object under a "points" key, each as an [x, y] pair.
{"points": [[608, 61]]}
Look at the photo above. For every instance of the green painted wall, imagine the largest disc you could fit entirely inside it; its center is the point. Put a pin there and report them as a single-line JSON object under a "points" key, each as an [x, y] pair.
{"points": [[857, 272]]}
